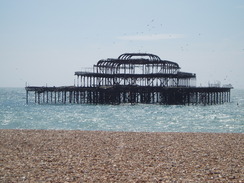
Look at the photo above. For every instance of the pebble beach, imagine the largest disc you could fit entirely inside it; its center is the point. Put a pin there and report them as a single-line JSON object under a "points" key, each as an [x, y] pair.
{"points": [[100, 156]]}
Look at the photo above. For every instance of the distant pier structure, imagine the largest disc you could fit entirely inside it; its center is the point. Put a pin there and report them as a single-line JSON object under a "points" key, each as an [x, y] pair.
{"points": [[132, 78]]}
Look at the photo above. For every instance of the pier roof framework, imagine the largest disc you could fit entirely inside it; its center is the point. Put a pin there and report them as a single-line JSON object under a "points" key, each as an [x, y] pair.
{"points": [[140, 69]]}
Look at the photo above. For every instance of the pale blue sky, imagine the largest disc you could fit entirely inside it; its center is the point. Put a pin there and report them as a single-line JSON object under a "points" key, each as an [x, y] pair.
{"points": [[46, 41]]}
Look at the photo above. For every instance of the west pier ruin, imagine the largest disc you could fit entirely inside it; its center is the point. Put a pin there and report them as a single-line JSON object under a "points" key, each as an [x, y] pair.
{"points": [[132, 78]]}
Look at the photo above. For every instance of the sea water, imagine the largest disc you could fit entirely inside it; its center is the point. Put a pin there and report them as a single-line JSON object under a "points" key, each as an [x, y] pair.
{"points": [[16, 114]]}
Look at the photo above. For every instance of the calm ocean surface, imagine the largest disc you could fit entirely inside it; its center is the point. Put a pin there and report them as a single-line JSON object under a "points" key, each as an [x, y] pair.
{"points": [[15, 114]]}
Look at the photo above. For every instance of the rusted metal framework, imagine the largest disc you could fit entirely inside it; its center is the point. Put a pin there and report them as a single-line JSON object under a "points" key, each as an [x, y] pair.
{"points": [[138, 69], [132, 95], [132, 78]]}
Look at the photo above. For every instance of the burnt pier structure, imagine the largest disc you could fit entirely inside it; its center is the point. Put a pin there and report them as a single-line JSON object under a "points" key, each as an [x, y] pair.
{"points": [[131, 78]]}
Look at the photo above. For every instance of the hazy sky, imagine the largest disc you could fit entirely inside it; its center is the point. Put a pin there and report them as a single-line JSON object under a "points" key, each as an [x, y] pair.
{"points": [[46, 41]]}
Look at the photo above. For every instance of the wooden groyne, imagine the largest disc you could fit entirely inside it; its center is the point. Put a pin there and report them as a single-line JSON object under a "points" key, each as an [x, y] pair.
{"points": [[131, 78]]}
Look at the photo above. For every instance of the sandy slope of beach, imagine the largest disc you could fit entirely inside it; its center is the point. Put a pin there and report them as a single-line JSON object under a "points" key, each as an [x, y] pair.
{"points": [[96, 156]]}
